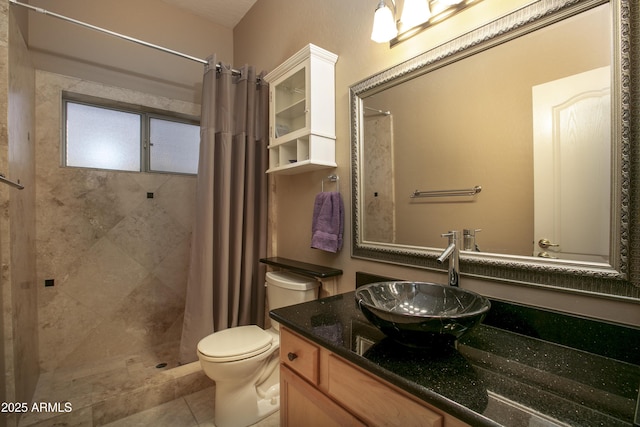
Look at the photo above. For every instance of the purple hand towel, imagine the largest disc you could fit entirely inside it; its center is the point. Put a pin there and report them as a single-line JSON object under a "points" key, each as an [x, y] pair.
{"points": [[328, 222]]}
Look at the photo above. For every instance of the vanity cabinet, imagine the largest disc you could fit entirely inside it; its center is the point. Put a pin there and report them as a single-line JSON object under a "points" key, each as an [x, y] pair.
{"points": [[304, 405], [302, 112], [320, 388]]}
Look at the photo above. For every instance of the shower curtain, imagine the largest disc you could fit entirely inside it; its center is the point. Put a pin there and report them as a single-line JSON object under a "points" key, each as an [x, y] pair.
{"points": [[225, 286]]}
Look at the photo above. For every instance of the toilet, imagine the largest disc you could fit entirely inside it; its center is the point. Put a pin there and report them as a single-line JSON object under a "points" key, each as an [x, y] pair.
{"points": [[243, 361]]}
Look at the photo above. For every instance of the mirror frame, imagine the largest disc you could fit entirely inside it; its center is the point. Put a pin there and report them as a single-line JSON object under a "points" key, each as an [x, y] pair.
{"points": [[620, 278]]}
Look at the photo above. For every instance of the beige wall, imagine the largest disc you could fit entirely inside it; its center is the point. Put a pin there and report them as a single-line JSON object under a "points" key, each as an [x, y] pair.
{"points": [[69, 49], [275, 29]]}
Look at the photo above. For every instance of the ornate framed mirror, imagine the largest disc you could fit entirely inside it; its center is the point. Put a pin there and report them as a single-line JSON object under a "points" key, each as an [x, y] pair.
{"points": [[520, 132]]}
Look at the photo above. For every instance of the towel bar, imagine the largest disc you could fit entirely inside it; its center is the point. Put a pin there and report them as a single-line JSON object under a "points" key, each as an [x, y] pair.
{"points": [[332, 178], [11, 183], [442, 193]]}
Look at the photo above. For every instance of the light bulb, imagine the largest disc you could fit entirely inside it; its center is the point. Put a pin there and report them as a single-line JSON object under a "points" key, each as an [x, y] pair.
{"points": [[414, 12], [384, 25]]}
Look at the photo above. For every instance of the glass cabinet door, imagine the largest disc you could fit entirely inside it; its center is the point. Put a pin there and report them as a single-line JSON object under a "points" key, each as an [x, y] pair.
{"points": [[290, 104]]}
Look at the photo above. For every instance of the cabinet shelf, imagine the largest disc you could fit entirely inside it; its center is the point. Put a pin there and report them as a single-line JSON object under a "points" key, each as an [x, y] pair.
{"points": [[302, 112], [310, 152], [292, 111], [299, 167]]}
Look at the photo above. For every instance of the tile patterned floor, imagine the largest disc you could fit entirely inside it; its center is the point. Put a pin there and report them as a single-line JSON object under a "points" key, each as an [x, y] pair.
{"points": [[195, 410]]}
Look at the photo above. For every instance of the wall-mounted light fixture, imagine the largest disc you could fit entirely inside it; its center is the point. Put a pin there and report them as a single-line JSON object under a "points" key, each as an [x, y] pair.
{"points": [[384, 23], [417, 15]]}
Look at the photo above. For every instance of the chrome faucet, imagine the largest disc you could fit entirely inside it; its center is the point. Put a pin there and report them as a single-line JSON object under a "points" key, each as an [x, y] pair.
{"points": [[453, 253]]}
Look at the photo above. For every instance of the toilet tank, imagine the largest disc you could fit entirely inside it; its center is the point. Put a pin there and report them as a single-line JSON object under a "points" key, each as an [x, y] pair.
{"points": [[285, 288]]}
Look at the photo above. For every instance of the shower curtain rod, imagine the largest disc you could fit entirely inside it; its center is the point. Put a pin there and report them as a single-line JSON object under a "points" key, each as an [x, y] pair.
{"points": [[122, 36]]}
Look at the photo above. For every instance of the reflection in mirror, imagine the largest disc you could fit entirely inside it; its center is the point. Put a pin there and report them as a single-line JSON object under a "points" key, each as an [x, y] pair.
{"points": [[472, 123], [528, 109]]}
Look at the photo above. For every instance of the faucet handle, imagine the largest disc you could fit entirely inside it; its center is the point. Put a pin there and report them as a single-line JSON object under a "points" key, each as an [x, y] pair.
{"points": [[471, 231], [469, 239], [453, 235]]}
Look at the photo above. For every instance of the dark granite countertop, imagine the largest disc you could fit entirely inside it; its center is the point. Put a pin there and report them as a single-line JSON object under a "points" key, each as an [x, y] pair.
{"points": [[521, 367]]}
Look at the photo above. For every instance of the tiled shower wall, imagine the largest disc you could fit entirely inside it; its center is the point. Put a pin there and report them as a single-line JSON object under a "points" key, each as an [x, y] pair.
{"points": [[17, 219], [379, 192], [118, 258]]}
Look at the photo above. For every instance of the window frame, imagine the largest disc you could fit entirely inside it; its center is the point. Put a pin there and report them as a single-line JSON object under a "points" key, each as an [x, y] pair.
{"points": [[145, 113]]}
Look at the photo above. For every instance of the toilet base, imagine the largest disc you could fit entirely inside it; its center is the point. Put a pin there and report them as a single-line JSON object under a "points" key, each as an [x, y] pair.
{"points": [[244, 409], [270, 403]]}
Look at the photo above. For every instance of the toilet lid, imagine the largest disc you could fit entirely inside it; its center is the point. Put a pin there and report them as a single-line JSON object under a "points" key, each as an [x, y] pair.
{"points": [[235, 343]]}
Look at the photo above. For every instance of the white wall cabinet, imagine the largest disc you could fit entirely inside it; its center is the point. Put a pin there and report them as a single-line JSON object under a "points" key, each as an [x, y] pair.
{"points": [[302, 130]]}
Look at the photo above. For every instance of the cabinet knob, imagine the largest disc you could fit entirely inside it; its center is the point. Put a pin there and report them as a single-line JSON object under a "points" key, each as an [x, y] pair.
{"points": [[292, 356]]}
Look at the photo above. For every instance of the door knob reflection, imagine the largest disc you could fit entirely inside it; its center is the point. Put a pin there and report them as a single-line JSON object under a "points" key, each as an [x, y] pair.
{"points": [[545, 243]]}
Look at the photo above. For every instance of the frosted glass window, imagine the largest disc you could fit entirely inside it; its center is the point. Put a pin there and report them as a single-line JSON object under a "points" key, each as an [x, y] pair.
{"points": [[102, 138], [174, 146], [105, 134]]}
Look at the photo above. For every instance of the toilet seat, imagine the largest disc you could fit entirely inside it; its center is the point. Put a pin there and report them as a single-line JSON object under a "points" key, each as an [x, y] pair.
{"points": [[236, 343]]}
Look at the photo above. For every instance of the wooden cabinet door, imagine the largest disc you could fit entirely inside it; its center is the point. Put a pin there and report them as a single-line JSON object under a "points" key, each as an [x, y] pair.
{"points": [[377, 403], [303, 405]]}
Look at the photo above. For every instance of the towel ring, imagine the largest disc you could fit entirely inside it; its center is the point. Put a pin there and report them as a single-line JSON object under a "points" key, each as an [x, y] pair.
{"points": [[332, 178]]}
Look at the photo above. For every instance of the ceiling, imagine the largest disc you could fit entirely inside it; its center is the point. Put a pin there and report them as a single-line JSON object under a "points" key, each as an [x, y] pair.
{"points": [[222, 12]]}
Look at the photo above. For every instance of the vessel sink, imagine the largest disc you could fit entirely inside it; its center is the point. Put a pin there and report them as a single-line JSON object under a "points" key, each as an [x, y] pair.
{"points": [[420, 314]]}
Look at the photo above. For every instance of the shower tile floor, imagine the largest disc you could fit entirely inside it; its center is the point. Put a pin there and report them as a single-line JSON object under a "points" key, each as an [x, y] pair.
{"points": [[130, 392]]}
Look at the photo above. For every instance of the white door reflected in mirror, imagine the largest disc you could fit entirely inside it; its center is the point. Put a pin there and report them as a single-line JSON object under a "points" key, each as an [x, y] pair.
{"points": [[572, 166]]}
